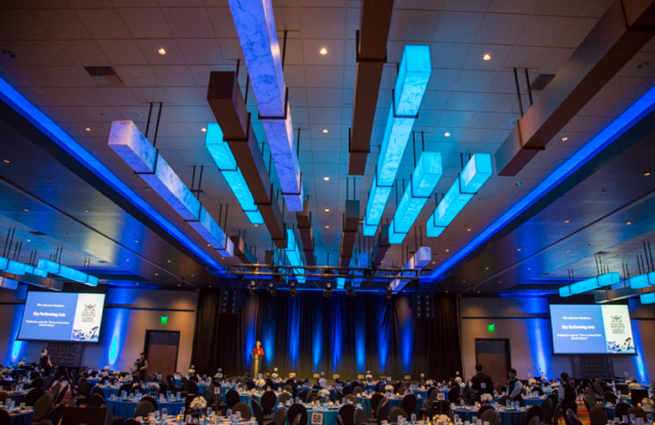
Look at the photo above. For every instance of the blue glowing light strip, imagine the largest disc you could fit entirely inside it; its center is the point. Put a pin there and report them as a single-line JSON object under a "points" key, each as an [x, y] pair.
{"points": [[227, 165], [648, 298], [7, 283], [476, 172], [59, 136], [293, 255], [590, 284], [363, 262], [419, 260], [426, 175], [642, 106], [12, 266], [255, 25], [641, 281], [128, 143], [341, 282], [413, 76], [67, 272]]}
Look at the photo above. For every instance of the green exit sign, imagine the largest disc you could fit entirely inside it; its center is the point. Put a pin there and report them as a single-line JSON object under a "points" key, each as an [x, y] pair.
{"points": [[163, 320], [491, 327]]}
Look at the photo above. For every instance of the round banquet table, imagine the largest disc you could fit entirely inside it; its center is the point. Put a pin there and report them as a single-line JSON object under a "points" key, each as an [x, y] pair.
{"points": [[528, 401], [611, 411], [107, 392], [17, 397], [21, 418], [329, 416], [127, 408], [507, 417], [365, 401], [94, 381]]}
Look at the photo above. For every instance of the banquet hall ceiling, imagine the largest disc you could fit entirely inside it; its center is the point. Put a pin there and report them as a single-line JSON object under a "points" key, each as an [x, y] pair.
{"points": [[470, 99]]}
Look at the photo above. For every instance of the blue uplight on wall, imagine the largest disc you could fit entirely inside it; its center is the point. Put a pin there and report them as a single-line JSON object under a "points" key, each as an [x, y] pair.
{"points": [[293, 330], [117, 320], [540, 343], [67, 272], [293, 255], [317, 336], [250, 318], [30, 112], [626, 120], [384, 331], [476, 172], [639, 358], [227, 165], [17, 347], [360, 339], [590, 284], [413, 76]]}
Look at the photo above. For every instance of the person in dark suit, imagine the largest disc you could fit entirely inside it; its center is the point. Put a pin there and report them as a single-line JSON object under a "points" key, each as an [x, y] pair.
{"points": [[481, 383]]}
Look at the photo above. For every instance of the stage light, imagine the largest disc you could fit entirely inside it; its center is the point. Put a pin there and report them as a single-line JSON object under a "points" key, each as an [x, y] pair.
{"points": [[641, 281], [67, 272], [413, 76], [252, 287], [389, 292], [272, 290], [590, 284], [227, 165], [426, 175], [255, 25], [327, 293], [476, 172], [128, 142], [350, 292]]}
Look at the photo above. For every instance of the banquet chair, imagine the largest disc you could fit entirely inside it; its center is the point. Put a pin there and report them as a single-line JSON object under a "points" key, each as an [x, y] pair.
{"points": [[348, 389], [232, 398], [347, 414], [37, 383], [338, 395], [520, 400], [302, 395], [4, 395], [110, 419], [284, 397], [375, 402], [503, 400], [297, 414], [532, 412], [598, 416], [268, 402], [289, 388], [191, 387], [538, 390], [572, 418], [453, 394], [143, 409], [547, 411], [257, 411], [42, 407], [150, 399], [244, 409], [5, 419], [639, 412], [432, 394], [427, 410], [351, 398], [382, 414], [409, 404], [638, 394], [490, 416], [61, 394], [609, 397], [97, 400], [280, 417], [397, 412], [97, 390], [483, 409], [48, 381], [534, 421], [358, 390], [621, 409], [131, 422], [54, 389], [55, 414], [33, 396], [361, 418]]}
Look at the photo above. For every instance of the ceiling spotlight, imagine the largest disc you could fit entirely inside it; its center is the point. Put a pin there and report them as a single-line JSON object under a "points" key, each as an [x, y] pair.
{"points": [[252, 287], [325, 131], [323, 51], [328, 290], [645, 174], [326, 178], [389, 292], [88, 129], [327, 227], [327, 210], [564, 139], [350, 292], [204, 130], [628, 223], [272, 290], [486, 57], [293, 292], [7, 161], [162, 51], [518, 183], [446, 134]]}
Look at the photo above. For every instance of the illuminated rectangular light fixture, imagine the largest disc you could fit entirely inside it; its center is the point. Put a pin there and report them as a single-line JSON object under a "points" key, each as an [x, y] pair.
{"points": [[426, 175], [648, 298], [341, 282], [12, 266], [590, 284], [128, 142], [293, 255], [413, 76], [67, 272], [34, 115], [227, 165], [476, 172], [7, 283], [419, 260], [363, 262], [255, 25], [641, 281], [36, 271]]}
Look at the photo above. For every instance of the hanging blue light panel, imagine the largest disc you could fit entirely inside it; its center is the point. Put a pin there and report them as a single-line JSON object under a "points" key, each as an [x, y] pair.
{"points": [[67, 272], [590, 284], [293, 255], [642, 281], [648, 298]]}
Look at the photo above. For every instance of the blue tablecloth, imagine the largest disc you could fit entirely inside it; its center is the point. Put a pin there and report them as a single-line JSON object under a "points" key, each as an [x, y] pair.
{"points": [[126, 409], [17, 397], [94, 381], [329, 416], [527, 401], [507, 417], [611, 411], [22, 418], [366, 404], [108, 392]]}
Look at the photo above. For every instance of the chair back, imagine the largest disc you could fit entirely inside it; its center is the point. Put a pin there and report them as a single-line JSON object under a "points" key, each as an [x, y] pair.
{"points": [[48, 381], [244, 409], [503, 400], [351, 398], [396, 412], [150, 400], [534, 421], [143, 409], [54, 389], [384, 409], [433, 392], [89, 415], [375, 402], [97, 400], [379, 387], [38, 383], [4, 395], [621, 409], [61, 394], [232, 398], [572, 418], [609, 397], [257, 411], [638, 412], [361, 417], [490, 416], [55, 414], [42, 407], [409, 404], [289, 388], [33, 396], [546, 410], [131, 421], [268, 402], [598, 416], [520, 400], [638, 394], [192, 387], [280, 417], [347, 414], [302, 395], [5, 418], [483, 409], [358, 390], [284, 397], [532, 412], [297, 414], [453, 394]]}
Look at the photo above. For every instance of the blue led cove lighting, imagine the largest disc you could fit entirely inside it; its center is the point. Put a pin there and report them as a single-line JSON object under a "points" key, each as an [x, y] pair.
{"points": [[67, 272], [293, 255], [641, 281], [590, 284], [413, 76], [9, 95], [227, 165], [634, 113], [12, 266], [476, 172], [648, 298]]}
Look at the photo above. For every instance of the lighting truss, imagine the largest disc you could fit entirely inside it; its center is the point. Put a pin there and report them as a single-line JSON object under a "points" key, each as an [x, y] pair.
{"points": [[255, 25], [476, 172], [67, 272], [642, 281], [413, 76], [293, 255], [590, 284], [128, 142], [227, 165], [419, 260], [426, 175]]}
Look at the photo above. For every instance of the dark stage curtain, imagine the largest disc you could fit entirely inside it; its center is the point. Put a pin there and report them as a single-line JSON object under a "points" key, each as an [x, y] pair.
{"points": [[310, 334]]}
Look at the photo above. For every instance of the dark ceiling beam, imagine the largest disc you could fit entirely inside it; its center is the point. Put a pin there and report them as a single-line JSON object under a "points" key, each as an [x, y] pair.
{"points": [[229, 108], [620, 33], [382, 246], [242, 251], [371, 57], [42, 282], [304, 220]]}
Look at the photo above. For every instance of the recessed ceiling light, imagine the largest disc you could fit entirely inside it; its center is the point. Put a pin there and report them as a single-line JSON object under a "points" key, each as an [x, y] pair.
{"points": [[486, 57], [327, 227], [568, 250], [327, 210], [518, 249], [446, 134], [162, 51], [29, 240], [88, 129], [7, 161], [25, 209], [326, 178], [447, 250], [518, 183], [323, 51], [564, 139], [566, 221], [645, 174], [468, 230], [433, 262], [204, 130], [628, 223], [487, 268], [256, 225]]}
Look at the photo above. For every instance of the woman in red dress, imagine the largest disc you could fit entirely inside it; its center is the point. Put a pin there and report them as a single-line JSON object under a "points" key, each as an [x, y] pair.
{"points": [[258, 349]]}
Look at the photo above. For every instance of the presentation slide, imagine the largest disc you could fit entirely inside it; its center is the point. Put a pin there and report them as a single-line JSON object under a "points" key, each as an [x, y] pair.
{"points": [[62, 316], [591, 329]]}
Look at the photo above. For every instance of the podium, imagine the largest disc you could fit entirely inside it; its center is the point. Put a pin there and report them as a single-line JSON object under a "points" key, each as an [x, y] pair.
{"points": [[255, 365]]}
